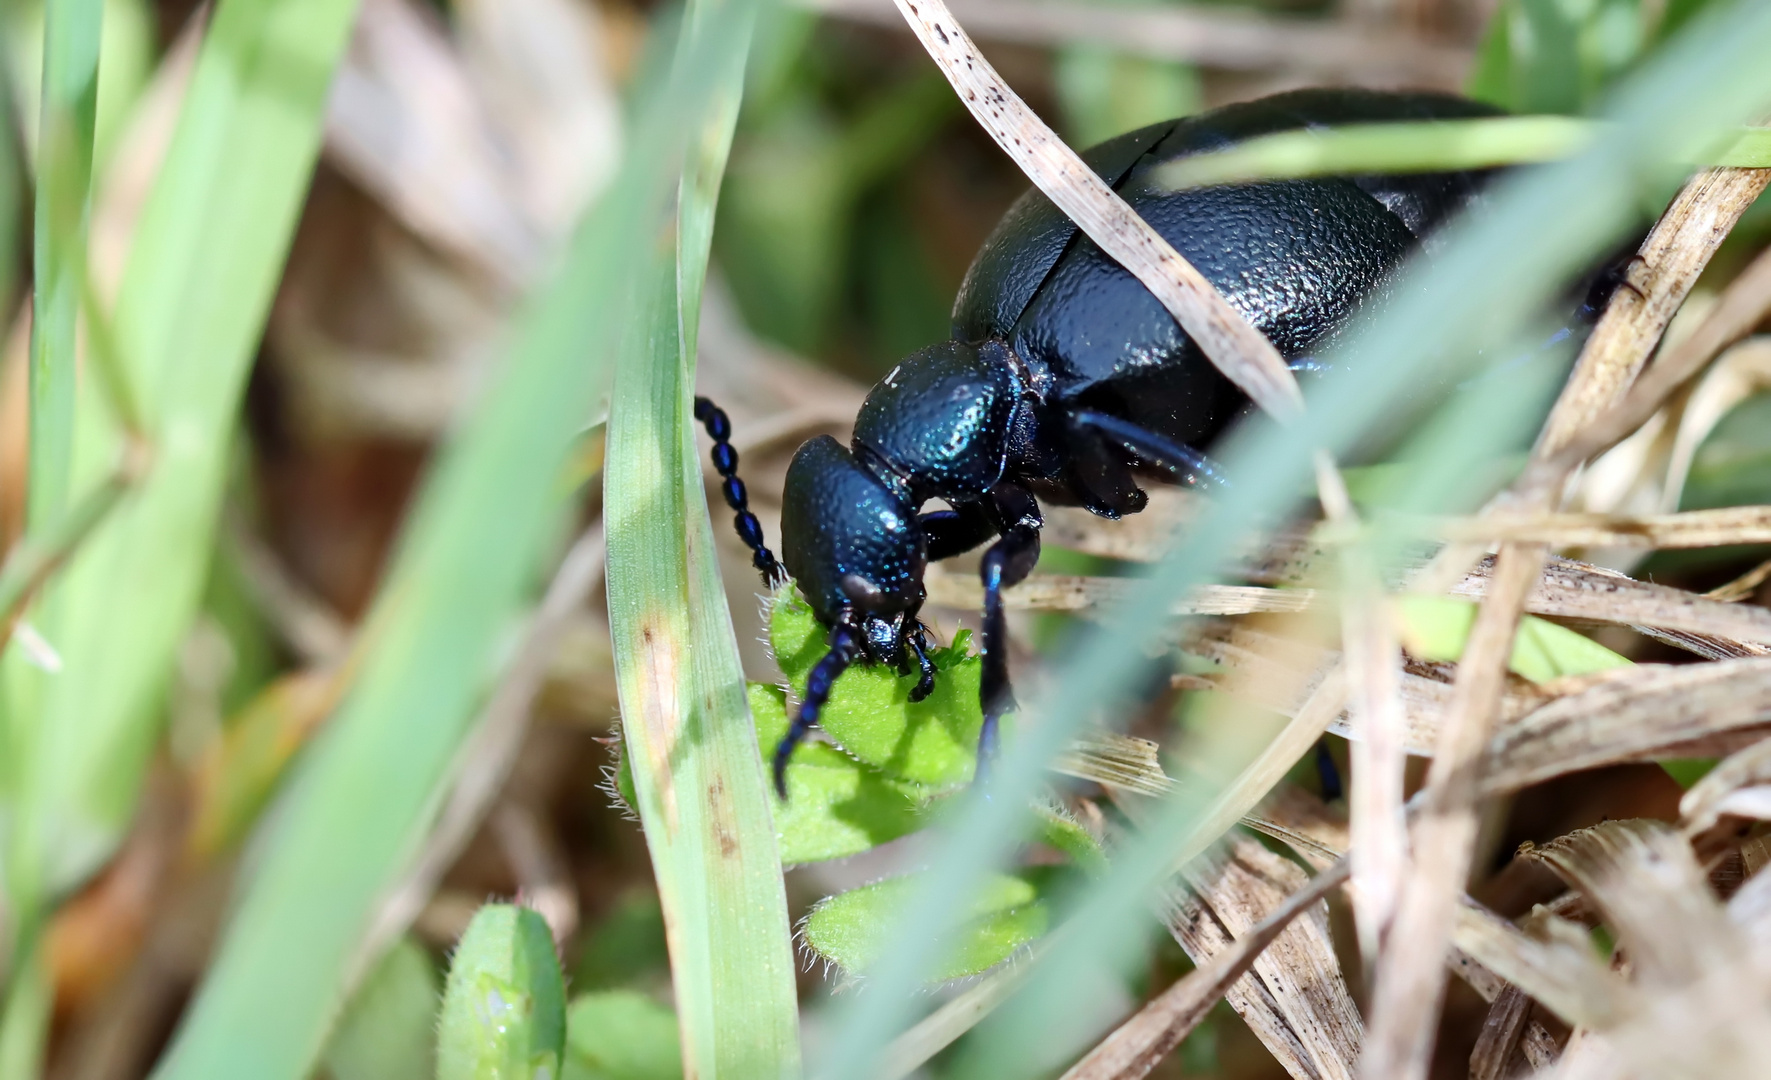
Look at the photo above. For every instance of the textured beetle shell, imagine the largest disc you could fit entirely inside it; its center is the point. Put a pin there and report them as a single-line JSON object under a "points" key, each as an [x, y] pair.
{"points": [[1295, 257], [942, 419], [850, 538]]}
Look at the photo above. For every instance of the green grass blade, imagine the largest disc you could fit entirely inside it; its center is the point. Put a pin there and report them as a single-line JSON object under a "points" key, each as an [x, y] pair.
{"points": [[1402, 147], [697, 774], [1430, 146], [1542, 228], [54, 521], [71, 34], [205, 261], [360, 803]]}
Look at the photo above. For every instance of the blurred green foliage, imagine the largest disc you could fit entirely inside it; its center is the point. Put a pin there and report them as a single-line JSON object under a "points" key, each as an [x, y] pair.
{"points": [[126, 57], [1732, 467], [626, 948], [830, 241], [1102, 93], [819, 257], [1556, 56], [621, 1035], [388, 1030]]}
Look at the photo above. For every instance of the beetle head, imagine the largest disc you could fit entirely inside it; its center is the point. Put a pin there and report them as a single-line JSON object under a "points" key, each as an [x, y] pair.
{"points": [[942, 419], [850, 539]]}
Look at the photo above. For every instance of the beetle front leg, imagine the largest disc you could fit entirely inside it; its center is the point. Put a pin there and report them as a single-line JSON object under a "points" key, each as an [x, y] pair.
{"points": [[1008, 562], [846, 643], [916, 640]]}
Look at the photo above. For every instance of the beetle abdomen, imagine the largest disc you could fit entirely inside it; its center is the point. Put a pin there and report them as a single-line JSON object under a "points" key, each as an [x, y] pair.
{"points": [[1296, 257]]}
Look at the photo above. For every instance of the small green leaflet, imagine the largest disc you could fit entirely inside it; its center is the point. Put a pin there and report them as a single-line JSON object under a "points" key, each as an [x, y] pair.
{"points": [[836, 806], [1011, 911], [504, 1005], [933, 742], [621, 1035], [1437, 627]]}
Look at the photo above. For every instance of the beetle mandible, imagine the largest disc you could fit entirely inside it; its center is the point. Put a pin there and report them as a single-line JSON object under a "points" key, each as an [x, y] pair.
{"points": [[1065, 377]]}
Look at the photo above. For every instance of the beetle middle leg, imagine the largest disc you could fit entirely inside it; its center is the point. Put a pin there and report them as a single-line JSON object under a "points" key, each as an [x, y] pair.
{"points": [[1008, 561], [1193, 467], [957, 531], [847, 642]]}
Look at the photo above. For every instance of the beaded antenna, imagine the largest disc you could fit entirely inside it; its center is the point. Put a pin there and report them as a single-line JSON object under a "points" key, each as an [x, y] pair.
{"points": [[725, 461]]}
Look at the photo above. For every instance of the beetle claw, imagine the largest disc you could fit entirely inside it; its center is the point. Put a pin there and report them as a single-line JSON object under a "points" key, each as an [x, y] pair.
{"points": [[919, 648]]}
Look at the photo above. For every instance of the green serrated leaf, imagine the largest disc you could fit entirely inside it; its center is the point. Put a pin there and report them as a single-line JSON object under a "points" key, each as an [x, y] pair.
{"points": [[1010, 911], [836, 806], [1437, 627], [1057, 829], [933, 742], [504, 1009], [621, 1035]]}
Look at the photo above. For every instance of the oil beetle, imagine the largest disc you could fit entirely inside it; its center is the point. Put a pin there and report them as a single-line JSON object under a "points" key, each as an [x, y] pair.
{"points": [[1065, 377]]}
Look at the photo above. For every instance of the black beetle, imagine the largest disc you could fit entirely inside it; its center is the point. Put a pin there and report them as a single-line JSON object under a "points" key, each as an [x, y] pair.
{"points": [[1065, 376]]}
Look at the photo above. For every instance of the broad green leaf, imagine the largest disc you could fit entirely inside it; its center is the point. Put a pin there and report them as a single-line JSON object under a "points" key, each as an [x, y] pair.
{"points": [[1438, 627], [504, 1006], [933, 742], [621, 1035], [389, 1027], [836, 806], [1010, 912]]}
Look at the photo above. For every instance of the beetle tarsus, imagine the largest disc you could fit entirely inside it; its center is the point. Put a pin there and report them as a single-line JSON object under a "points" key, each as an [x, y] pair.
{"points": [[725, 461], [916, 640]]}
